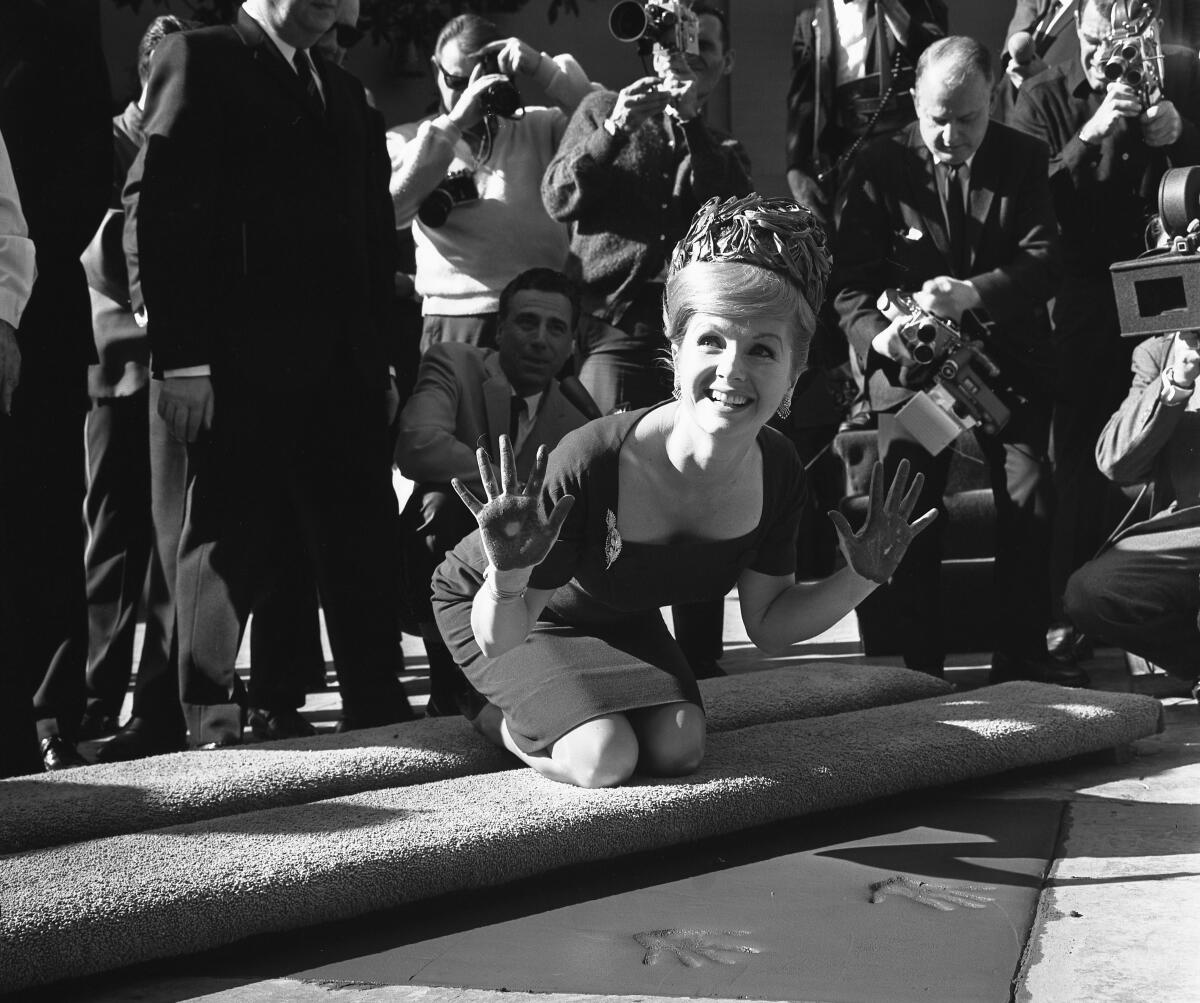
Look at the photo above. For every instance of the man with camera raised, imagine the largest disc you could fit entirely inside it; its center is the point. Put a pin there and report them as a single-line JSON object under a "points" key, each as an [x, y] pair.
{"points": [[1114, 119], [955, 211], [468, 179]]}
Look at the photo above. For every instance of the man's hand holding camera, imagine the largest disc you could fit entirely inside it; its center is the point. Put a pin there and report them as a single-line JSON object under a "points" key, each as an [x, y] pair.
{"points": [[469, 109], [1185, 355], [512, 56], [678, 81], [948, 297], [1161, 124], [637, 102]]}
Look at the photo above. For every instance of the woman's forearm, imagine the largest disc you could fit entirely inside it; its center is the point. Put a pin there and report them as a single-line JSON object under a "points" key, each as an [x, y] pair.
{"points": [[806, 609], [503, 611]]}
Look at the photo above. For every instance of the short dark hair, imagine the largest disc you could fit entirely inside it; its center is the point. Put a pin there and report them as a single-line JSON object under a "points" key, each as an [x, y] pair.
{"points": [[703, 7], [159, 29], [470, 31], [961, 55], [543, 280]]}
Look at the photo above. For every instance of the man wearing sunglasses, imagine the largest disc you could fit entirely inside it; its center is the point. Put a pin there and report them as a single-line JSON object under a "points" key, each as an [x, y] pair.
{"points": [[492, 224]]}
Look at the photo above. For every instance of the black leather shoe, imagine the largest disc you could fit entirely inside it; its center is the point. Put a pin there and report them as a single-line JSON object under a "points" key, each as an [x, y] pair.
{"points": [[59, 754], [1008, 668], [227, 742], [138, 739], [97, 724], [357, 722], [708, 668], [272, 725]]}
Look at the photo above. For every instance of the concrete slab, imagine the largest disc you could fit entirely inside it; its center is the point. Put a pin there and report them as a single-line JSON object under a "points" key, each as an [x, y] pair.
{"points": [[781, 913], [1119, 917]]}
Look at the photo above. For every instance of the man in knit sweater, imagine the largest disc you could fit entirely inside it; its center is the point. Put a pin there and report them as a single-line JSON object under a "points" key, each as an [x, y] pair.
{"points": [[464, 263], [632, 170]]}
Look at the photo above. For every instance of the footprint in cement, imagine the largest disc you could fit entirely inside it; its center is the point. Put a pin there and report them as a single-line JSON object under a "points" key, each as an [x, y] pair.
{"points": [[942, 897], [694, 948]]}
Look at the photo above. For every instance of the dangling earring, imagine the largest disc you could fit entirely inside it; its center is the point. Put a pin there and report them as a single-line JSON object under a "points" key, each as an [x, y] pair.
{"points": [[675, 391], [785, 406]]}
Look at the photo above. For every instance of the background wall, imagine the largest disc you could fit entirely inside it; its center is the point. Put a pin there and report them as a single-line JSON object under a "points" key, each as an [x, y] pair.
{"points": [[751, 105]]}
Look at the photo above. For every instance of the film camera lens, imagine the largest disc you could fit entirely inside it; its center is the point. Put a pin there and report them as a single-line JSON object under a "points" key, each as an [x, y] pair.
{"points": [[455, 189]]}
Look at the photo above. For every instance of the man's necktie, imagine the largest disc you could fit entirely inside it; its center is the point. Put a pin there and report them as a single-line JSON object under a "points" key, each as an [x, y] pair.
{"points": [[956, 221], [304, 69], [516, 412]]}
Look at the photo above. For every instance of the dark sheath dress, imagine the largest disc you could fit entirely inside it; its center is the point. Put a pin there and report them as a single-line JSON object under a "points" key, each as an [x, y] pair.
{"points": [[601, 645]]}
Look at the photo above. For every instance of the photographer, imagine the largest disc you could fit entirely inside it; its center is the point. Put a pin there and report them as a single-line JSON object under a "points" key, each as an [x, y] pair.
{"points": [[956, 210], [1141, 593], [1109, 147], [486, 158], [632, 170]]}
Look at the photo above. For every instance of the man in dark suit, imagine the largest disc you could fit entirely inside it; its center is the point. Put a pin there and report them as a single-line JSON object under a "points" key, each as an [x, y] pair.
{"points": [[1141, 592], [466, 398], [259, 215], [54, 116], [957, 212], [1108, 152]]}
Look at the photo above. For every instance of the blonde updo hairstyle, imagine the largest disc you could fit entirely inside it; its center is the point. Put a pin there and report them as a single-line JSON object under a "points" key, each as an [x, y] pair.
{"points": [[749, 258]]}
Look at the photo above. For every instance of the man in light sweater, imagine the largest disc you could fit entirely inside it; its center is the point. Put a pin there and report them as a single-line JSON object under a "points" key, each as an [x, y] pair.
{"points": [[496, 225]]}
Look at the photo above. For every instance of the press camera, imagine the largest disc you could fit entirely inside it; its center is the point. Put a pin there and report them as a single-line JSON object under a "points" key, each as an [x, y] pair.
{"points": [[669, 23], [963, 371], [456, 188], [1133, 51], [1159, 292], [500, 97]]}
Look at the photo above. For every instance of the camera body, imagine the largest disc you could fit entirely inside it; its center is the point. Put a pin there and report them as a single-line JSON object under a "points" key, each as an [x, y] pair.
{"points": [[1133, 51], [456, 188], [669, 23], [500, 98], [1159, 292], [963, 379]]}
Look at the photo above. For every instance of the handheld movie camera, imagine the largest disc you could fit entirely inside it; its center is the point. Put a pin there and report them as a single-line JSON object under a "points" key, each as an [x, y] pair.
{"points": [[961, 387], [669, 23], [1132, 53]]}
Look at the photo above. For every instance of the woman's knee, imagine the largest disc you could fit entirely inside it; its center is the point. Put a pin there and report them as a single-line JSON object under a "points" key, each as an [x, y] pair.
{"points": [[672, 739], [599, 753]]}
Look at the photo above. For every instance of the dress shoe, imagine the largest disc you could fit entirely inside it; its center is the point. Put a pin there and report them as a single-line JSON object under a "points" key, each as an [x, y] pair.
{"points": [[272, 725], [139, 739], [59, 754], [357, 722], [1065, 643], [224, 742], [1008, 668], [97, 724]]}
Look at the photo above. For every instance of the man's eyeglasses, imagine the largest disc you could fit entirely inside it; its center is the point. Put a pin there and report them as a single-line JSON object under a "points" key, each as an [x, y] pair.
{"points": [[454, 82]]}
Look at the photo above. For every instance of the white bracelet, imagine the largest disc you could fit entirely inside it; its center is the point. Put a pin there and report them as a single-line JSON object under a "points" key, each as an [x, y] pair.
{"points": [[499, 595]]}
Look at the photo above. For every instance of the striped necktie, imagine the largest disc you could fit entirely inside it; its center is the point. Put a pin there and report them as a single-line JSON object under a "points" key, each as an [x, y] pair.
{"points": [[307, 74]]}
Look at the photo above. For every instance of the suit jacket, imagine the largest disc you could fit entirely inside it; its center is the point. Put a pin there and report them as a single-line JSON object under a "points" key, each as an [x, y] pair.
{"points": [[893, 234], [1147, 441], [461, 402], [260, 230], [55, 118], [809, 105]]}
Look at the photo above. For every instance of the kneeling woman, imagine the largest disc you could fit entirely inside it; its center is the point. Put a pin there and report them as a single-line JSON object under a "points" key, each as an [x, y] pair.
{"points": [[552, 607]]}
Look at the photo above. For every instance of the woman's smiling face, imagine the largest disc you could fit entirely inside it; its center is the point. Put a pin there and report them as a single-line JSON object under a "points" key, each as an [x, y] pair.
{"points": [[733, 373]]}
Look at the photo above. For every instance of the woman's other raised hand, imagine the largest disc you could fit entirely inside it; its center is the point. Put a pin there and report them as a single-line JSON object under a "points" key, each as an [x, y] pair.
{"points": [[875, 551]]}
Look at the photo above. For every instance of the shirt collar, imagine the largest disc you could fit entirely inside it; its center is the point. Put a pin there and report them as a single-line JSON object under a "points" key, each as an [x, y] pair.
{"points": [[287, 51], [532, 402]]}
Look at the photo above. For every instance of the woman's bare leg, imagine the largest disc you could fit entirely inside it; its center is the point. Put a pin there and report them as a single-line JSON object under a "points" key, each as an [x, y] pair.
{"points": [[671, 738], [598, 753]]}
